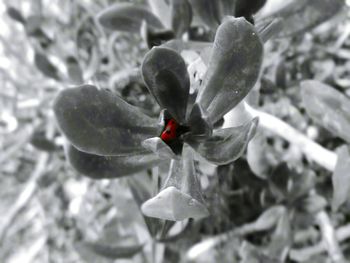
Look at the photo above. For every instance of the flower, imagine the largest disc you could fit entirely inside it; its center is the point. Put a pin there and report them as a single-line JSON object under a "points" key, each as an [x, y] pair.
{"points": [[111, 138]]}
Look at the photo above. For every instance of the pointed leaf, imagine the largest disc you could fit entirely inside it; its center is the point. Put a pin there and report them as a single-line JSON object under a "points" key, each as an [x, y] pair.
{"points": [[341, 178], [100, 167], [45, 66], [302, 15], [269, 218], [162, 9], [141, 193], [312, 204], [247, 8], [15, 14], [160, 148], [328, 107], [208, 11], [233, 67], [181, 196], [172, 204], [101, 123], [165, 74], [155, 38], [94, 250], [75, 73], [226, 145], [181, 14], [128, 17], [198, 121]]}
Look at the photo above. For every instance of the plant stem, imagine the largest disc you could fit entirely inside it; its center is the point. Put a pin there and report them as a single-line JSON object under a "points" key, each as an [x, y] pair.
{"points": [[311, 149], [329, 239]]}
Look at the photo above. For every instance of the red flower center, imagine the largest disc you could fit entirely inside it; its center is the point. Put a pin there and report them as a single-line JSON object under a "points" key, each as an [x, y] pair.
{"points": [[170, 131]]}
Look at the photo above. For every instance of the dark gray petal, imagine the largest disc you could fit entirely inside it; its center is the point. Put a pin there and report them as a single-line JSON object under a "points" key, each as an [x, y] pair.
{"points": [[226, 145], [233, 67], [99, 167], [128, 17], [165, 74], [99, 122]]}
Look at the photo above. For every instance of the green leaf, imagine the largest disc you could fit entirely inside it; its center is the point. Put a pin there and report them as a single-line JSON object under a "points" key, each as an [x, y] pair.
{"points": [[341, 178], [181, 197], [41, 142], [247, 8], [99, 122], [45, 66], [226, 145], [233, 67], [312, 204], [100, 167], [268, 219], [16, 15], [303, 15], [328, 107], [198, 121], [90, 250], [159, 147], [128, 17], [287, 184], [155, 38], [181, 14], [259, 157], [165, 74], [281, 239], [140, 189], [75, 73], [208, 11]]}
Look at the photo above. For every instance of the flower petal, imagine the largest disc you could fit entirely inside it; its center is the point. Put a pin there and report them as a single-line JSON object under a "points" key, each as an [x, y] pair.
{"points": [[128, 17], [99, 167], [165, 74], [233, 67], [226, 145], [101, 123]]}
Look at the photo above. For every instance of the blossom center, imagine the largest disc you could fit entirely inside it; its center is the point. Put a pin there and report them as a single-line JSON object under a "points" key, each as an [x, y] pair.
{"points": [[170, 131]]}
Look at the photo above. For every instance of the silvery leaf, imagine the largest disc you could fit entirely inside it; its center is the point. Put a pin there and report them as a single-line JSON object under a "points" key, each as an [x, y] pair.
{"points": [[100, 167], [233, 67], [99, 122], [128, 17], [165, 74]]}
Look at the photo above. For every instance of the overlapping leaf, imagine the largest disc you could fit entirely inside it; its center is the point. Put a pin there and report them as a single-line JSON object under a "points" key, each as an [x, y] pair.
{"points": [[181, 14], [100, 167], [226, 145], [128, 17], [165, 74], [101, 123], [341, 178], [328, 107], [95, 252], [233, 67], [302, 15]]}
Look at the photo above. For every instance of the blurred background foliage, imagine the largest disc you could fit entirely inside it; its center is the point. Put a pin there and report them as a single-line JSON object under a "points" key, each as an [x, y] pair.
{"points": [[50, 213]]}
